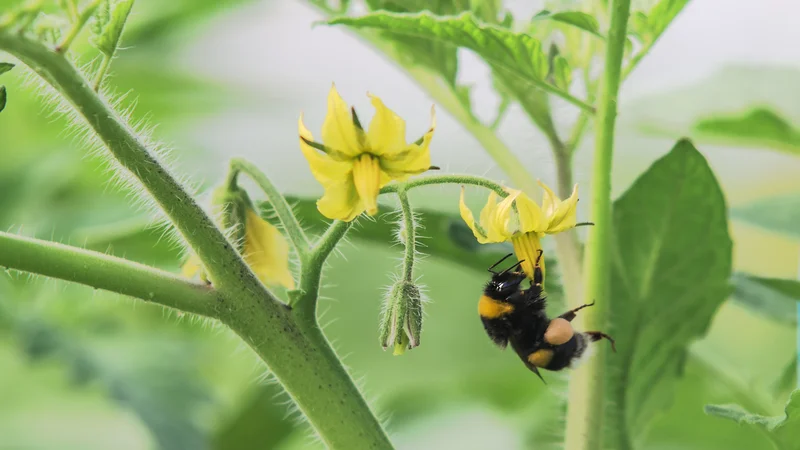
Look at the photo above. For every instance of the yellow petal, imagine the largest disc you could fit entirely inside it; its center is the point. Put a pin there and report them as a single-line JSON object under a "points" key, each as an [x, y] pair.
{"points": [[502, 220], [413, 159], [559, 215], [368, 179], [266, 251], [338, 130], [387, 131], [531, 217], [341, 201], [323, 167], [527, 247], [469, 219]]}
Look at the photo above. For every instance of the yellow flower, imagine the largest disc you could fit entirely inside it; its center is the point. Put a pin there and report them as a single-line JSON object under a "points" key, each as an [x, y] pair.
{"points": [[261, 244], [521, 221], [352, 165]]}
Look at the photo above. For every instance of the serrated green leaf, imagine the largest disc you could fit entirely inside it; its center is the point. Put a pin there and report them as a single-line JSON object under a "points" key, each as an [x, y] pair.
{"points": [[428, 53], [671, 261], [108, 40], [3, 98], [780, 214], [577, 19], [775, 298], [5, 67], [516, 54], [782, 431], [759, 127]]}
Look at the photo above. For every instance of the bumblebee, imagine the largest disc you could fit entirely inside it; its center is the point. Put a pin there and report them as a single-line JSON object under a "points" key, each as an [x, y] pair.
{"points": [[517, 316]]}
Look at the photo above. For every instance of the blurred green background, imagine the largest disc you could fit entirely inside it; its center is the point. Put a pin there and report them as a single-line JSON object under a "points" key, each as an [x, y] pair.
{"points": [[84, 369]]}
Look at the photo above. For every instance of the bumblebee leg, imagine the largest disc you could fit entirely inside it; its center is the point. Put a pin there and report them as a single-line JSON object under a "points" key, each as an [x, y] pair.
{"points": [[569, 315], [597, 335], [538, 278]]}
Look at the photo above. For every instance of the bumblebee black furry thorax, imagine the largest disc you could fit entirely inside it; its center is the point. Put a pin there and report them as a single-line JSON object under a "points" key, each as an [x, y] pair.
{"points": [[511, 314]]}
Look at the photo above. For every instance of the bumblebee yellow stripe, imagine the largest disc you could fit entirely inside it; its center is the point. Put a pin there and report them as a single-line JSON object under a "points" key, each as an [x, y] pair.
{"points": [[490, 308], [541, 358]]}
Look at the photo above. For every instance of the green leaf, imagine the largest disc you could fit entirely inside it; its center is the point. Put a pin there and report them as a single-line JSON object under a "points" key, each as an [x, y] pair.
{"points": [[780, 214], [107, 40], [758, 127], [577, 19], [562, 73], [3, 98], [649, 26], [662, 14], [671, 268], [775, 298], [788, 378], [782, 431], [5, 67], [517, 54], [437, 56]]}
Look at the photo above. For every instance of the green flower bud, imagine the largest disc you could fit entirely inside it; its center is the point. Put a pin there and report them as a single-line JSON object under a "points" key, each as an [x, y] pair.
{"points": [[401, 324]]}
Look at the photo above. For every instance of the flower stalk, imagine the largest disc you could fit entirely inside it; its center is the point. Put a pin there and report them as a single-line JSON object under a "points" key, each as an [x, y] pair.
{"points": [[586, 389]]}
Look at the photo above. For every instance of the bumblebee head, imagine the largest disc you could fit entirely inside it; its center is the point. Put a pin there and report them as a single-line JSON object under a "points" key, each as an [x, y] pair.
{"points": [[504, 283]]}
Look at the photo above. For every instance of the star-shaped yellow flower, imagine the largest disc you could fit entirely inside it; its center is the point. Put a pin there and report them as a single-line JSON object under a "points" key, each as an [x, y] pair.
{"points": [[352, 165], [521, 221]]}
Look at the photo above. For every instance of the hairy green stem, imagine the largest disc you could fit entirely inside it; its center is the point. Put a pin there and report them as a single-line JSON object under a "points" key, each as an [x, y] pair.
{"points": [[83, 17], [445, 179], [289, 221], [411, 236], [304, 299], [106, 272], [304, 364], [586, 400]]}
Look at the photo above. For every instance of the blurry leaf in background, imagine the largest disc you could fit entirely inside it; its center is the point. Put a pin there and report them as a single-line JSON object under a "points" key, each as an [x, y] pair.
{"points": [[775, 298], [671, 267], [153, 376], [782, 431], [577, 19], [262, 422], [788, 378], [757, 128], [732, 88], [780, 214], [649, 26]]}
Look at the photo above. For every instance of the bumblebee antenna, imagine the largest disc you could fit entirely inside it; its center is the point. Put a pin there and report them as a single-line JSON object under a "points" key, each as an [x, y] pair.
{"points": [[498, 263], [513, 267]]}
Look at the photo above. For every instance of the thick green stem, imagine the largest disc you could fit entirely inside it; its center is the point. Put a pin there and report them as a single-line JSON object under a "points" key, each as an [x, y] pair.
{"points": [[410, 238], [276, 199], [586, 400], [106, 272], [304, 364]]}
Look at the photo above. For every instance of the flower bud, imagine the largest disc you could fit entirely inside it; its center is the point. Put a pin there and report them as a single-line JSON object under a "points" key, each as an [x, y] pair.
{"points": [[230, 205], [401, 323]]}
